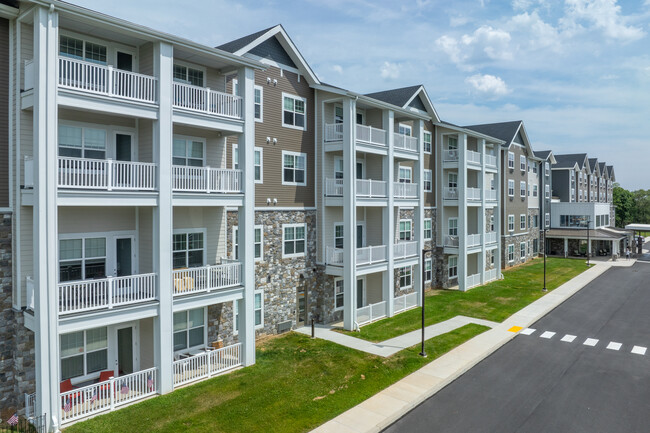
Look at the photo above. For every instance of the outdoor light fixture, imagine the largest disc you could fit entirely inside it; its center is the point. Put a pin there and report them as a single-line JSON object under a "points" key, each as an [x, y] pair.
{"points": [[424, 252], [544, 289]]}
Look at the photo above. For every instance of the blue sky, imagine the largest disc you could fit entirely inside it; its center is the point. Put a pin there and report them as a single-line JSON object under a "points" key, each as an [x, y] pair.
{"points": [[577, 72]]}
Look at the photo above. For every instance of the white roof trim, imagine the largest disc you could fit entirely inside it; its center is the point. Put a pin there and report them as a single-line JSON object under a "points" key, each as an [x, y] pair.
{"points": [[8, 12], [427, 103]]}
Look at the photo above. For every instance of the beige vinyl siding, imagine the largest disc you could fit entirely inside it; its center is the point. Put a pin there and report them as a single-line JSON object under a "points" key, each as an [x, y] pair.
{"points": [[374, 288], [430, 164], [26, 140], [145, 239], [26, 248], [374, 167], [4, 112], [374, 119], [374, 227], [95, 118], [96, 219], [145, 61], [214, 146], [145, 140], [209, 218], [146, 344], [26, 49], [214, 80]]}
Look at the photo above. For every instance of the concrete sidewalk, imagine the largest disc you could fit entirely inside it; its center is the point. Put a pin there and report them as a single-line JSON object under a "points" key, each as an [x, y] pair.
{"points": [[385, 407]]}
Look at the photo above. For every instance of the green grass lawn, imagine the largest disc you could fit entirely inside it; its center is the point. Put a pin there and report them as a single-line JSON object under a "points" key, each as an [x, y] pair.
{"points": [[296, 384], [495, 301]]}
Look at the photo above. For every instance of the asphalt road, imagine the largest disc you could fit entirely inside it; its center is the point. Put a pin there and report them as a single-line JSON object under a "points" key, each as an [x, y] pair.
{"points": [[536, 384]]}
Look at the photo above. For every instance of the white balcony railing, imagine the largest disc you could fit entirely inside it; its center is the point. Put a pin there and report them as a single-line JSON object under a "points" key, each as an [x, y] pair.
{"points": [[405, 302], [472, 281], [106, 174], [473, 240], [333, 132], [207, 364], [401, 141], [490, 195], [403, 250], [105, 80], [29, 283], [334, 187], [108, 395], [365, 255], [405, 190], [368, 134], [206, 278], [30, 404], [450, 155], [206, 100], [451, 241], [490, 237], [206, 179], [371, 188], [370, 313], [87, 295], [473, 157], [490, 160], [450, 193], [28, 172], [473, 194], [490, 275]]}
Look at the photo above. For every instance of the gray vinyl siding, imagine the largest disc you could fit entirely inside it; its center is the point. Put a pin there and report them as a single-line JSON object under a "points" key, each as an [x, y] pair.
{"points": [[561, 183], [211, 219], [516, 205], [272, 50], [145, 61], [146, 344], [145, 140], [96, 219], [145, 237], [4, 112]]}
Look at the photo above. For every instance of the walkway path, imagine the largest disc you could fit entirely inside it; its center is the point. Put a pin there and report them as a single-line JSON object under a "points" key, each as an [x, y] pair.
{"points": [[393, 345], [385, 407]]}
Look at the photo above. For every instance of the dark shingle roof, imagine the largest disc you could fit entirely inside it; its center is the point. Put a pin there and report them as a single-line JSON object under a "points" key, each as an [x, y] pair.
{"points": [[12, 3], [503, 131], [543, 154], [592, 164], [237, 44], [397, 97], [601, 166], [569, 160]]}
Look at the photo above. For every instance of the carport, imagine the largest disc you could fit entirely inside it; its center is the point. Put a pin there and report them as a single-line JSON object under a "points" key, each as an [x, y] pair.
{"points": [[640, 228], [605, 241]]}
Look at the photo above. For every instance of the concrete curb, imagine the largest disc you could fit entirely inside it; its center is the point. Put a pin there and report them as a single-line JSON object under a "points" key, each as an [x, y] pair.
{"points": [[390, 404]]}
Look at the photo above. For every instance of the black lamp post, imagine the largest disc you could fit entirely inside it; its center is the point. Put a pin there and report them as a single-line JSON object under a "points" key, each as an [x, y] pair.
{"points": [[544, 289], [424, 252], [588, 242]]}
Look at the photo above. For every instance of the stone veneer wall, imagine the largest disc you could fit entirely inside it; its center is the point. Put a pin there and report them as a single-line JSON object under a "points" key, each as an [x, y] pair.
{"points": [[17, 368], [278, 278], [431, 245]]}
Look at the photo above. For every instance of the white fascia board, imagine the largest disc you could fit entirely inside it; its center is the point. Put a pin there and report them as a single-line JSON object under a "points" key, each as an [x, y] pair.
{"points": [[470, 133], [8, 12], [427, 103]]}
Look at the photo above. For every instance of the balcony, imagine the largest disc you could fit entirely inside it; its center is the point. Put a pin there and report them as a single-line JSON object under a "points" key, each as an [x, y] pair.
{"points": [[206, 179], [450, 193], [333, 132], [206, 278], [491, 161], [371, 312], [102, 80], [206, 364], [403, 250], [450, 155], [473, 240], [366, 188], [405, 190], [405, 142], [405, 302], [490, 195], [368, 134], [473, 157], [207, 101], [472, 281], [451, 241], [490, 237], [365, 255], [105, 293], [473, 194], [490, 275], [100, 174]]}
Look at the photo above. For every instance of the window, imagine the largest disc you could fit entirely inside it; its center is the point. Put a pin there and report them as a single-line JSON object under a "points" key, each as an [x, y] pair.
{"points": [[235, 156], [79, 49], [426, 139], [405, 230], [452, 267], [428, 177], [80, 142], [522, 250], [189, 329], [427, 270], [404, 129], [428, 232], [522, 188], [405, 277], [259, 165], [339, 294], [511, 160], [547, 219], [258, 103], [82, 259], [188, 249], [534, 168], [522, 162], [452, 143], [258, 310], [511, 223], [338, 114], [522, 221], [452, 180], [189, 152], [547, 168], [453, 227], [294, 237], [188, 75], [294, 111], [547, 191], [338, 235], [405, 174], [511, 188], [83, 352], [534, 190], [294, 166], [511, 253], [258, 244], [535, 246]]}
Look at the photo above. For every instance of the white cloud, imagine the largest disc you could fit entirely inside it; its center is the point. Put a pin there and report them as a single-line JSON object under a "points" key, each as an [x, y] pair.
{"points": [[493, 42], [337, 69], [604, 15], [389, 70], [535, 32], [488, 85]]}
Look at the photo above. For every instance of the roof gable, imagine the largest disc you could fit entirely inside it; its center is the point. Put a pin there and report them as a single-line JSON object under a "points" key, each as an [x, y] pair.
{"points": [[610, 170], [417, 104], [414, 97], [272, 50], [509, 132]]}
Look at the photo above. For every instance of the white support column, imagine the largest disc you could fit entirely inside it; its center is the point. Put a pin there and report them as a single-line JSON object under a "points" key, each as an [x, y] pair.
{"points": [[481, 217], [497, 213], [566, 247], [349, 214], [462, 211], [163, 216], [246, 216], [418, 131], [45, 226], [388, 285]]}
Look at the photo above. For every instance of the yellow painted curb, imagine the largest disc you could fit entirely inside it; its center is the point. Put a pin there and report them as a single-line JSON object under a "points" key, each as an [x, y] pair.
{"points": [[515, 329]]}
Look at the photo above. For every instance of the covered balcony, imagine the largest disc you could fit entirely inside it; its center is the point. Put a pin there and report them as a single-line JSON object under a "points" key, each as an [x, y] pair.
{"points": [[405, 142], [364, 256], [206, 101], [206, 180], [204, 279], [365, 134], [403, 250], [404, 190], [365, 188]]}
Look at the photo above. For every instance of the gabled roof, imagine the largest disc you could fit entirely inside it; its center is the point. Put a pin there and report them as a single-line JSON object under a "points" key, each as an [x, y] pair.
{"points": [[571, 160], [414, 97], [610, 170], [603, 170], [509, 132], [593, 166], [545, 155], [273, 39]]}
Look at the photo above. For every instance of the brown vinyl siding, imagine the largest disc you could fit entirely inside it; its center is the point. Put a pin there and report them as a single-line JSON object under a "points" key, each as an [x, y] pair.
{"points": [[4, 113], [430, 164], [516, 205]]}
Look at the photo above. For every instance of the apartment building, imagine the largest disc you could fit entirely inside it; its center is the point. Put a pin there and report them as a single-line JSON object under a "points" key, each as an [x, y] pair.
{"points": [[121, 190], [520, 210], [546, 161]]}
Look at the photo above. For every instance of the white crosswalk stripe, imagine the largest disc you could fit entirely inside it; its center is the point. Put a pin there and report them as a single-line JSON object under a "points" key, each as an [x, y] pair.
{"points": [[568, 338], [547, 334], [639, 350], [592, 342], [527, 331], [613, 345]]}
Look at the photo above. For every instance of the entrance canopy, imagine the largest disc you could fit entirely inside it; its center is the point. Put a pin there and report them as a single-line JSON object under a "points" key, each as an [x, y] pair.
{"points": [[638, 227]]}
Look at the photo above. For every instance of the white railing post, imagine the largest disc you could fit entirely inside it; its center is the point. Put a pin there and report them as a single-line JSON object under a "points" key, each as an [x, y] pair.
{"points": [[206, 171], [109, 81], [109, 291], [109, 174]]}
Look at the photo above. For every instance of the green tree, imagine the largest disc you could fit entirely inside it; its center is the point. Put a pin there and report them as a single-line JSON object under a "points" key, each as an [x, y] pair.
{"points": [[641, 212], [625, 205]]}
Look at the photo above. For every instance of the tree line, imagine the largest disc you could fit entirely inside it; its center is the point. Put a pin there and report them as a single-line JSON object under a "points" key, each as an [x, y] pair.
{"points": [[631, 206]]}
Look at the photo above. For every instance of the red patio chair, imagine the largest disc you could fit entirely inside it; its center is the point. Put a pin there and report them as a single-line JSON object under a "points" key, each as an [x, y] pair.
{"points": [[105, 376], [66, 386]]}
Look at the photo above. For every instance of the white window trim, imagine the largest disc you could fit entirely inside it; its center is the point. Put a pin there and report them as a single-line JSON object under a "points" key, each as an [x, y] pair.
{"points": [[402, 125], [205, 331], [449, 220], [431, 142], [235, 313], [261, 89], [511, 217], [522, 188], [194, 230], [86, 376], [399, 231], [235, 241], [511, 182], [430, 228], [235, 151], [449, 267], [287, 152], [399, 172], [511, 246], [430, 180], [522, 161], [400, 277], [511, 160], [261, 151], [522, 218], [430, 262], [342, 306], [285, 125], [193, 66], [187, 139], [285, 226], [522, 256]]}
